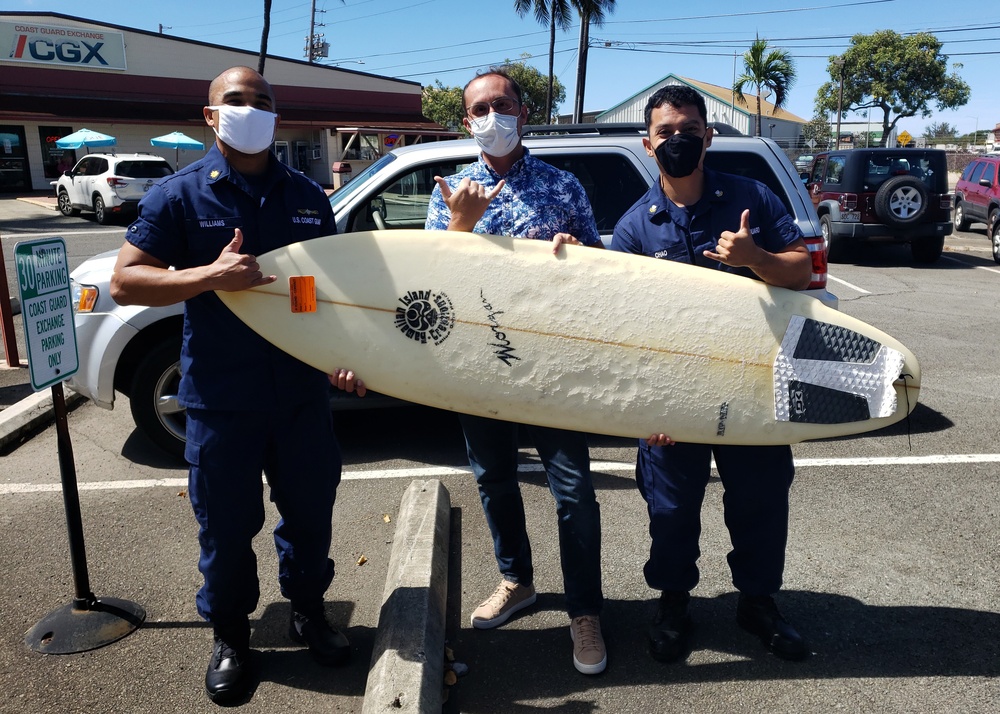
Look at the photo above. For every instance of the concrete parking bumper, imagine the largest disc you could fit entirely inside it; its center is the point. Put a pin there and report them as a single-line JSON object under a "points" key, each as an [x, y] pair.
{"points": [[407, 665]]}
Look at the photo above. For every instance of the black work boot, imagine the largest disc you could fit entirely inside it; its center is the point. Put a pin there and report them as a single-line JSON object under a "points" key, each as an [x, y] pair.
{"points": [[670, 633], [758, 615], [327, 645], [227, 678]]}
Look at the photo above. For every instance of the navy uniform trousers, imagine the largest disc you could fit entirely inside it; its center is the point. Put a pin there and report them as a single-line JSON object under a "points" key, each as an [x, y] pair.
{"points": [[756, 479], [296, 449]]}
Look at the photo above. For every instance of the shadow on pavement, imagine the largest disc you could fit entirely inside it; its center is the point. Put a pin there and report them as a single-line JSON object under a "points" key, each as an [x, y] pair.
{"points": [[850, 640]]}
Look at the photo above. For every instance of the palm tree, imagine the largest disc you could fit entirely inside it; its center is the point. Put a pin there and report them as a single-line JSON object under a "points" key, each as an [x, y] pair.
{"points": [[766, 69], [591, 11], [263, 37], [548, 13]]}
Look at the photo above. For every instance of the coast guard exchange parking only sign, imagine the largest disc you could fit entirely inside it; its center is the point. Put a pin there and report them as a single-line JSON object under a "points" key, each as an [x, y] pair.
{"points": [[46, 310]]}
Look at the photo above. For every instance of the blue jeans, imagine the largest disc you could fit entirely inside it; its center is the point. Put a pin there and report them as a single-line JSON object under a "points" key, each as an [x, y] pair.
{"points": [[492, 449], [756, 479], [296, 450]]}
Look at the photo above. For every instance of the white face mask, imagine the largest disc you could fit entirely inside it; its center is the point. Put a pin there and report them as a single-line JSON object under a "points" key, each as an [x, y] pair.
{"points": [[246, 129], [496, 134]]}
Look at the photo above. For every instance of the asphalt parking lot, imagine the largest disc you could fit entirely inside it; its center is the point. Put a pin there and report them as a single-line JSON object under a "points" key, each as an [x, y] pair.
{"points": [[891, 568]]}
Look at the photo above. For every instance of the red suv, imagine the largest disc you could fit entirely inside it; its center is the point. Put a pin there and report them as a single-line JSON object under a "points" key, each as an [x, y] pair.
{"points": [[977, 194], [881, 194]]}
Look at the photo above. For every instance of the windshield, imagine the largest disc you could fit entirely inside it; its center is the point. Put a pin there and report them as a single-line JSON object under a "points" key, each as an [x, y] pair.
{"points": [[927, 166], [143, 169], [340, 196]]}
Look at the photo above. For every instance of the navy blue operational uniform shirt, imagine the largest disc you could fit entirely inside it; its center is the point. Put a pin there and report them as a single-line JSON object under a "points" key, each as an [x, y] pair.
{"points": [[658, 228], [185, 221]]}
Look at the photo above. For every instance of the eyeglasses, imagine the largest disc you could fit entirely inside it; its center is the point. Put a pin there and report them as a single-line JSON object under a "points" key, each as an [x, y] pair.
{"points": [[501, 105]]}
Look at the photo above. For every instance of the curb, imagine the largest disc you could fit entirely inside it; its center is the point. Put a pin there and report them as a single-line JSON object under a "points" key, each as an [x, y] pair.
{"points": [[29, 414], [407, 665], [43, 201]]}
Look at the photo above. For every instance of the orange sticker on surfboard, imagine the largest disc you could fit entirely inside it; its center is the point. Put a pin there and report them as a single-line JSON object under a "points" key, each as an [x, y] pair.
{"points": [[302, 293]]}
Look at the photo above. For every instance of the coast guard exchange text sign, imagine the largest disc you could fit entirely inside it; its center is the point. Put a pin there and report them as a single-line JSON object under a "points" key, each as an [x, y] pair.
{"points": [[46, 310], [88, 47]]}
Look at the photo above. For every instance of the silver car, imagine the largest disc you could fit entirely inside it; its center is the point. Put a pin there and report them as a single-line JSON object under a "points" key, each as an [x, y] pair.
{"points": [[135, 350]]}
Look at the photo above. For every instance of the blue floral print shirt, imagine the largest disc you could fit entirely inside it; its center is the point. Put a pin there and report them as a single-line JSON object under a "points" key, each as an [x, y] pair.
{"points": [[537, 201]]}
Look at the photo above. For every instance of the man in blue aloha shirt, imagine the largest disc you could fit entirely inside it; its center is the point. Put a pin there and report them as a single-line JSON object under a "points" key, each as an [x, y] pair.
{"points": [[509, 192]]}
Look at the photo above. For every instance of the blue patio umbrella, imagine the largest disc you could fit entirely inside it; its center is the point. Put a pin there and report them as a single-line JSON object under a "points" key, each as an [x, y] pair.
{"points": [[85, 138], [176, 140]]}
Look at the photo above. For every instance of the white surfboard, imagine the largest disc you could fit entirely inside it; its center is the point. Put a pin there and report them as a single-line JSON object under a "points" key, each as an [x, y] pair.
{"points": [[589, 340]]}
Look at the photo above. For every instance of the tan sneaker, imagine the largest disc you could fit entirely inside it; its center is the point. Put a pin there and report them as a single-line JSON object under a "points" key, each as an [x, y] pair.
{"points": [[507, 599], [589, 654]]}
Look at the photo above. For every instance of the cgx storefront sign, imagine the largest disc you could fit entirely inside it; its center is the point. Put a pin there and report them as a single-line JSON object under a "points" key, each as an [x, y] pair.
{"points": [[63, 46]]}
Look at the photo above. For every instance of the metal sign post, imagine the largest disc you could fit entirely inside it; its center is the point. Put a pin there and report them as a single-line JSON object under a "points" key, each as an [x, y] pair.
{"points": [[46, 306], [6, 319]]}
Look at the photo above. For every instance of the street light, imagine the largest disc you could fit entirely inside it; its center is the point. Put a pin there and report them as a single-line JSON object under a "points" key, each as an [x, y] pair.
{"points": [[840, 100], [975, 137]]}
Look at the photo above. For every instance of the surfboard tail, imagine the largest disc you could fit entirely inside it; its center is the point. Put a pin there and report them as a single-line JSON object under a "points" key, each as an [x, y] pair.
{"points": [[831, 374]]}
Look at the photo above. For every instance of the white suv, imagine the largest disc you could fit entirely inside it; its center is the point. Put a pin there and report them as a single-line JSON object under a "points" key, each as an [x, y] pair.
{"points": [[135, 350], [108, 184]]}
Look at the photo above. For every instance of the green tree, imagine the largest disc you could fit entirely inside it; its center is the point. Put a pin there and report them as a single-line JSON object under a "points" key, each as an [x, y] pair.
{"points": [[535, 87], [551, 14], [902, 76], [944, 130], [818, 129], [591, 12], [765, 68], [443, 105]]}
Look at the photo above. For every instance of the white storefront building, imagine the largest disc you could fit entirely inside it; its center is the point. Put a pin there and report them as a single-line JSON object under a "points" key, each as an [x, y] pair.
{"points": [[59, 74]]}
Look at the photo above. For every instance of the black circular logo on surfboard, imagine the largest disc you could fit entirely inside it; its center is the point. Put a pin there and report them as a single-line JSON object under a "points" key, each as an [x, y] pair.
{"points": [[425, 316]]}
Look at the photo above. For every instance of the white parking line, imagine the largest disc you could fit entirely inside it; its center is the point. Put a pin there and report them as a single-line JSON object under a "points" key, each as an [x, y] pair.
{"points": [[977, 267], [847, 284], [439, 471]]}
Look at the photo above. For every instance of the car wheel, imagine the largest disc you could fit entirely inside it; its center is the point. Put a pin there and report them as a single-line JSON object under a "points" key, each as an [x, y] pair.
{"points": [[991, 220], [101, 211], [66, 206], [153, 397], [927, 250], [901, 201], [836, 247], [995, 241], [961, 222]]}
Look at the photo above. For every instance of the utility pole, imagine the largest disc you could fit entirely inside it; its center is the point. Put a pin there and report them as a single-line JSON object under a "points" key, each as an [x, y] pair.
{"points": [[316, 45], [581, 69], [840, 101]]}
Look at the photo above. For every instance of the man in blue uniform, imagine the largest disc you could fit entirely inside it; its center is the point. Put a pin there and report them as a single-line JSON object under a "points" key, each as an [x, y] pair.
{"points": [[251, 408], [509, 192], [720, 222]]}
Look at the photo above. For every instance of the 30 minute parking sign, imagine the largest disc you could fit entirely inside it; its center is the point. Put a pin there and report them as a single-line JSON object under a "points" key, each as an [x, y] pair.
{"points": [[46, 310]]}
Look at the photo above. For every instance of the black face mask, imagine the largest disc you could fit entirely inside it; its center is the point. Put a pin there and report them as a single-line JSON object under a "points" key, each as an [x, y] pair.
{"points": [[679, 155]]}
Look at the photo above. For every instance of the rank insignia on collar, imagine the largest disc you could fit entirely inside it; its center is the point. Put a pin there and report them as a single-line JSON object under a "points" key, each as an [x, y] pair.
{"points": [[214, 174], [652, 209]]}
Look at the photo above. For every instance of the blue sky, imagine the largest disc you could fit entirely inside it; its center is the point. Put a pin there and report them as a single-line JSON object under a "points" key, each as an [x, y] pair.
{"points": [[428, 40]]}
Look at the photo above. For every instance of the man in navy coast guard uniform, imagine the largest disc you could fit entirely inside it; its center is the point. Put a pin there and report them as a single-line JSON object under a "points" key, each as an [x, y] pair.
{"points": [[510, 192], [720, 222], [250, 406]]}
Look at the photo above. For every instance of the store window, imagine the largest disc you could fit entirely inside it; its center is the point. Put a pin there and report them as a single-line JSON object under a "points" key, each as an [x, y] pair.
{"points": [[14, 172], [54, 159]]}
